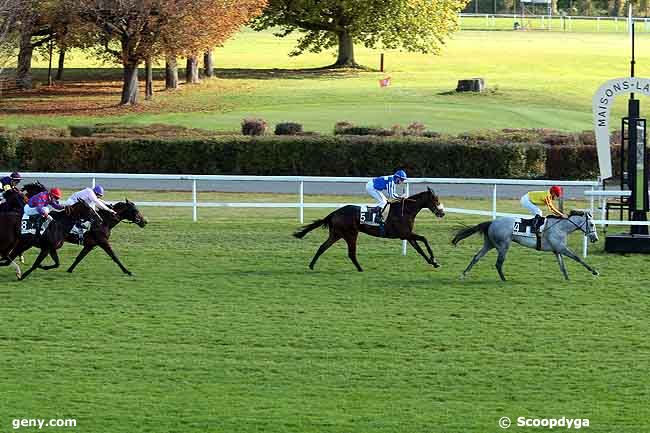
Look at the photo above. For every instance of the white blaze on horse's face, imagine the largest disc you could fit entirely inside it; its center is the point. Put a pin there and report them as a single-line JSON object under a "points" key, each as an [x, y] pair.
{"points": [[592, 233]]}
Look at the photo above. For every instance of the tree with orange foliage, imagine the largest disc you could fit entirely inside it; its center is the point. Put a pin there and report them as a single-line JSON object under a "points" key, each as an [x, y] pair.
{"points": [[208, 24]]}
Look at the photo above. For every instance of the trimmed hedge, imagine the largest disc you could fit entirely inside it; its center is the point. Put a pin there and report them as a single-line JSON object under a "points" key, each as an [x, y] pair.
{"points": [[505, 154], [286, 155]]}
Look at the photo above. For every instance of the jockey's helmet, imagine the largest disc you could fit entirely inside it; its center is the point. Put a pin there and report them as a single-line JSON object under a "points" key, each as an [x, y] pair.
{"points": [[556, 190], [98, 190], [16, 176], [56, 193], [400, 174]]}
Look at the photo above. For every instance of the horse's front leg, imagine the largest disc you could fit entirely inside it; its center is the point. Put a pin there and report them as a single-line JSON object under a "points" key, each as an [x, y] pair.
{"points": [[37, 263], [417, 248], [570, 254], [55, 258], [560, 261], [431, 259]]}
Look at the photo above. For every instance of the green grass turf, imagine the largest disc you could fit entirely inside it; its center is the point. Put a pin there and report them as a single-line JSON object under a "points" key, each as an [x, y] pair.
{"points": [[537, 79], [224, 329]]}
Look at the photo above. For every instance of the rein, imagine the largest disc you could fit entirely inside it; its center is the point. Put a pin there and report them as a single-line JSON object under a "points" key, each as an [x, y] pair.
{"points": [[579, 227]]}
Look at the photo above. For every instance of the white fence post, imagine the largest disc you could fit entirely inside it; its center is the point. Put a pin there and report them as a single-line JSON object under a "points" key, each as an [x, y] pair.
{"points": [[194, 202], [408, 193], [494, 202], [302, 201], [585, 241], [94, 182]]}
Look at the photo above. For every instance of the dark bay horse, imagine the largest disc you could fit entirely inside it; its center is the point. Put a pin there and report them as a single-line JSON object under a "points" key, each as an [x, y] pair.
{"points": [[99, 234], [345, 223], [13, 244], [14, 200]]}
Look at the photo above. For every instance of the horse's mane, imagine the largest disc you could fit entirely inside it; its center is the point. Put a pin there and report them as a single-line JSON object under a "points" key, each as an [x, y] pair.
{"points": [[578, 212]]}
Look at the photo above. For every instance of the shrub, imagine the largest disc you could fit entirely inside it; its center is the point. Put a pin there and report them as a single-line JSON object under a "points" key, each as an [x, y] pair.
{"points": [[288, 128], [82, 130], [8, 147], [415, 129], [253, 127], [365, 130], [341, 126]]}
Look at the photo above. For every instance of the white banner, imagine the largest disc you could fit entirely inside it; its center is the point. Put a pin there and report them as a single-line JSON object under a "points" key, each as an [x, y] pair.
{"points": [[602, 103]]}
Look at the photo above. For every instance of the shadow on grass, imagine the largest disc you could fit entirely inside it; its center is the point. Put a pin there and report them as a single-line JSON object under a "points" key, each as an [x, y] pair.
{"points": [[116, 74]]}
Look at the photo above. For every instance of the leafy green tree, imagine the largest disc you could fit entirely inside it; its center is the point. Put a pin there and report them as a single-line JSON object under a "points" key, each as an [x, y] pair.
{"points": [[413, 25]]}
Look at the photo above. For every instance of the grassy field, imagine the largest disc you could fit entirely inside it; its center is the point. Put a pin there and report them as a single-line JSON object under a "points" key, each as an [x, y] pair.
{"points": [[224, 329], [536, 79]]}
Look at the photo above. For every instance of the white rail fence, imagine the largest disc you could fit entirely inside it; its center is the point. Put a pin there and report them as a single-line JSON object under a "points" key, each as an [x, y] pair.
{"points": [[300, 181], [561, 22]]}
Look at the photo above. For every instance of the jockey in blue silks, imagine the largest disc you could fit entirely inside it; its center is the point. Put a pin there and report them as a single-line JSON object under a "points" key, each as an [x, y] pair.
{"points": [[385, 183]]}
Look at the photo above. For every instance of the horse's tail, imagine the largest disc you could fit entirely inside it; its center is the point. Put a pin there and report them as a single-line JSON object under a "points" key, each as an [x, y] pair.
{"points": [[469, 231], [327, 221]]}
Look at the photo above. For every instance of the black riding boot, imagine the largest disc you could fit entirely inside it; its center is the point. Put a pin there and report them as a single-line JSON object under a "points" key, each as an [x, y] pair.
{"points": [[538, 231]]}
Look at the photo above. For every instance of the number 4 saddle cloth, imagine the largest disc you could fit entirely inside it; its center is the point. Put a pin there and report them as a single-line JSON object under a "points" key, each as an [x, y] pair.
{"points": [[526, 227]]}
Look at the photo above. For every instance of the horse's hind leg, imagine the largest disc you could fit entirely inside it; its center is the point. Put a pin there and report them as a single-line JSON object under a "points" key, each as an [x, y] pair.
{"points": [[560, 261], [487, 246], [502, 258], [570, 254], [328, 243], [351, 240]]}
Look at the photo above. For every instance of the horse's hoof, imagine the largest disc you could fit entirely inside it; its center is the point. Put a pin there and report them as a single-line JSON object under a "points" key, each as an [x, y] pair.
{"points": [[130, 274], [462, 277], [69, 271], [311, 267], [595, 273], [436, 264]]}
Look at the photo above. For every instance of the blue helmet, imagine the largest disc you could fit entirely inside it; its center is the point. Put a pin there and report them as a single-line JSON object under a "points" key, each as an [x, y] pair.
{"points": [[400, 174], [98, 190], [15, 176]]}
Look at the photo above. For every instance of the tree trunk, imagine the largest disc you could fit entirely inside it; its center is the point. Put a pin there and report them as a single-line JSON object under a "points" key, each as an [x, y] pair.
{"points": [[148, 93], [208, 64], [171, 73], [192, 70], [346, 51], [24, 67], [59, 72], [130, 87]]}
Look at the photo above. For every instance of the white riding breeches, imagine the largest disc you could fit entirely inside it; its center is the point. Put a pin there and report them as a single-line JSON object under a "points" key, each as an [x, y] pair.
{"points": [[376, 194], [28, 210], [532, 208]]}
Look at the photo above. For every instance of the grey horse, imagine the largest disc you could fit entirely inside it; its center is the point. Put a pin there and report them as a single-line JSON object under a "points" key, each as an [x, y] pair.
{"points": [[499, 234]]}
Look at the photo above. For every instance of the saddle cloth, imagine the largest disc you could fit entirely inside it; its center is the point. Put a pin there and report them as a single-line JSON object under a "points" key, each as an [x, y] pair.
{"points": [[524, 227], [29, 224], [80, 229], [369, 215]]}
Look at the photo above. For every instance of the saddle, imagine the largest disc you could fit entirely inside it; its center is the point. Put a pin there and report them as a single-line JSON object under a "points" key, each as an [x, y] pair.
{"points": [[526, 227], [79, 230]]}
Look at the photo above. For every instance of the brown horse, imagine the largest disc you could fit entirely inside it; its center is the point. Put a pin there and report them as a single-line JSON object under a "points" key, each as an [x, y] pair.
{"points": [[99, 234], [345, 223], [13, 244]]}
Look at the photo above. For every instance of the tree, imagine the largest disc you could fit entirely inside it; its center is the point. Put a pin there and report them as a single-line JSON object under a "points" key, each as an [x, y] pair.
{"points": [[414, 25], [201, 26], [135, 25]]}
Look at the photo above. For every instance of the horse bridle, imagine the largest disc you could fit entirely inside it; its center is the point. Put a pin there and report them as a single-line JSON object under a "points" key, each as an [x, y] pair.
{"points": [[579, 227]]}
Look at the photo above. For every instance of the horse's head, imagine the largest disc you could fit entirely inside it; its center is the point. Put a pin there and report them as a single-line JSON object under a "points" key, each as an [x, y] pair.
{"points": [[31, 189], [585, 222], [433, 203], [82, 211], [128, 211]]}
